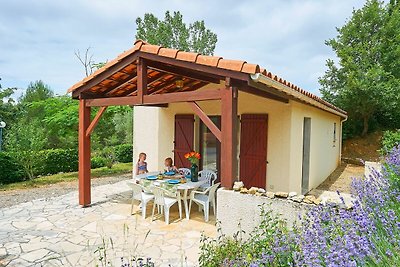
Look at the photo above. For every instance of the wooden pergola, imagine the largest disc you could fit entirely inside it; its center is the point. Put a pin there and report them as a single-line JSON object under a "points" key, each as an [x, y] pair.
{"points": [[149, 75]]}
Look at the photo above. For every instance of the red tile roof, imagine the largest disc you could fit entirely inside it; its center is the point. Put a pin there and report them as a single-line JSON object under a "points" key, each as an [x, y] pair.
{"points": [[213, 61]]}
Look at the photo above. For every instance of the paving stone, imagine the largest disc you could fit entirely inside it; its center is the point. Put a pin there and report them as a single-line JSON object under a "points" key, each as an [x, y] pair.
{"points": [[91, 227], [44, 225], [19, 262], [35, 255], [3, 252], [33, 245], [73, 259], [58, 232], [23, 225], [65, 247], [77, 239]]}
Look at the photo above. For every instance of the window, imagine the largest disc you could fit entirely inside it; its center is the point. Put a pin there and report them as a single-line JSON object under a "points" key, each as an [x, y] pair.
{"points": [[334, 133]]}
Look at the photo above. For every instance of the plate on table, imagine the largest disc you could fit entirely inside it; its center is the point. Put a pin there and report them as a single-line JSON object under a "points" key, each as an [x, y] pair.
{"points": [[173, 181], [151, 177], [169, 173]]}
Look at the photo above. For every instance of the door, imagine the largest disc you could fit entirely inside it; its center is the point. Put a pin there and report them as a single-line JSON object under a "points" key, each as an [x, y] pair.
{"points": [[184, 138], [306, 155], [253, 149], [210, 146]]}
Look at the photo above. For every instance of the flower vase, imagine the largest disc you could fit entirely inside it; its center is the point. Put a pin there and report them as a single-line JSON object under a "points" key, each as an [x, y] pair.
{"points": [[194, 175]]}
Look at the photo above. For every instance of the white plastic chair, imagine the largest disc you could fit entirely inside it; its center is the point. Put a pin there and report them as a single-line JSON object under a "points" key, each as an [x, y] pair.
{"points": [[209, 176], [203, 199], [138, 194], [184, 171], [165, 202]]}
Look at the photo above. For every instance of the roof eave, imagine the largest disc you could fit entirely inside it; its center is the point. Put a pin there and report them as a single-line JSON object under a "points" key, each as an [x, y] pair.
{"points": [[260, 78]]}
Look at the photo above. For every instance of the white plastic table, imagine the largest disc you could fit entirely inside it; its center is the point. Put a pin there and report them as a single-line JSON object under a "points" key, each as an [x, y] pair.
{"points": [[183, 188]]}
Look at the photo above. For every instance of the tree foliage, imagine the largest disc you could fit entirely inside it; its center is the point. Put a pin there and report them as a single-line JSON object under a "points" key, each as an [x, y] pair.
{"points": [[36, 91], [366, 80], [174, 33], [55, 118], [8, 108]]}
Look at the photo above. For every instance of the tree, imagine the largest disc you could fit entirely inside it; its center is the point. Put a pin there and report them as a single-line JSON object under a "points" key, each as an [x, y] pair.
{"points": [[36, 91], [365, 82], [173, 32], [87, 62], [24, 142], [8, 108]]}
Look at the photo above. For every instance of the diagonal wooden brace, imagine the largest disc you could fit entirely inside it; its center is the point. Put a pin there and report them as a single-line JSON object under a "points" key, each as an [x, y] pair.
{"points": [[206, 120], [95, 121]]}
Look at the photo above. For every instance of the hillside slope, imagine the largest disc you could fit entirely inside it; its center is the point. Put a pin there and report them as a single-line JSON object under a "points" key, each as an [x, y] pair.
{"points": [[365, 148]]}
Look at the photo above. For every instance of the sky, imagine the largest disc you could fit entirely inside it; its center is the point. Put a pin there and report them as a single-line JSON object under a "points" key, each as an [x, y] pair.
{"points": [[38, 38]]}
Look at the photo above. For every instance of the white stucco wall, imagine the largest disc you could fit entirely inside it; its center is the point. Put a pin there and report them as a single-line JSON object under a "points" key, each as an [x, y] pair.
{"points": [[324, 152], [154, 134], [146, 134], [234, 208]]}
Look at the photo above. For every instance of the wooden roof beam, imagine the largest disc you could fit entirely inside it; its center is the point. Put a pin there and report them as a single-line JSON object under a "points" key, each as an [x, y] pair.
{"points": [[197, 68], [141, 78], [211, 94], [105, 74], [184, 73]]}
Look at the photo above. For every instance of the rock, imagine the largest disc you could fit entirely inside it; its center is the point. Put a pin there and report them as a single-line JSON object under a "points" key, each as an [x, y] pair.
{"points": [[258, 194], [281, 194], [298, 199], [317, 201], [292, 194], [244, 190], [309, 199], [261, 190], [332, 202], [324, 200], [253, 190], [269, 194], [238, 185]]}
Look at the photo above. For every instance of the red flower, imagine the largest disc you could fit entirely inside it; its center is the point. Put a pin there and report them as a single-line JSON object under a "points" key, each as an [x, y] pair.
{"points": [[193, 156]]}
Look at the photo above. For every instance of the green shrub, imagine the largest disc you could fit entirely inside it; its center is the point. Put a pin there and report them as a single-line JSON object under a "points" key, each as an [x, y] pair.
{"points": [[123, 153], [53, 161], [108, 153], [97, 162], [10, 170], [28, 161], [390, 139]]}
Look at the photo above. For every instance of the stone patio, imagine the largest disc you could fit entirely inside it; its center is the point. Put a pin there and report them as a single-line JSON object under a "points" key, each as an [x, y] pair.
{"points": [[58, 232]]}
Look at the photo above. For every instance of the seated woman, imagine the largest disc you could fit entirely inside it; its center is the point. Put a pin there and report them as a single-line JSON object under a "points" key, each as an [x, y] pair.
{"points": [[141, 166], [169, 166]]}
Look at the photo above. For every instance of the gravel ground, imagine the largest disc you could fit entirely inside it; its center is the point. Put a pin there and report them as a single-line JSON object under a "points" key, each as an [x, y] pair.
{"points": [[13, 197], [340, 179]]}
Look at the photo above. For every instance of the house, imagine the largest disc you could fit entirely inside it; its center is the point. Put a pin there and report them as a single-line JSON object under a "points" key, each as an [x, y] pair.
{"points": [[247, 123]]}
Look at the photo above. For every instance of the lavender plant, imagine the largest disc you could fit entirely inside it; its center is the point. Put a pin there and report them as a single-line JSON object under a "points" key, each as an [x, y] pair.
{"points": [[366, 235]]}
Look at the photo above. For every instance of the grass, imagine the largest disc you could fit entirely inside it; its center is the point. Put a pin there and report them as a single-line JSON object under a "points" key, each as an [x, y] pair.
{"points": [[119, 168]]}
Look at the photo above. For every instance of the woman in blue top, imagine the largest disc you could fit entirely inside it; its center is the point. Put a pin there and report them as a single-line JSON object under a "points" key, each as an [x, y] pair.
{"points": [[141, 166]]}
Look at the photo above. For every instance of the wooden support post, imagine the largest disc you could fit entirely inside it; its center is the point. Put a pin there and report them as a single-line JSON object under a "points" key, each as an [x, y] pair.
{"points": [[206, 120], [84, 154], [229, 135], [95, 121], [141, 79]]}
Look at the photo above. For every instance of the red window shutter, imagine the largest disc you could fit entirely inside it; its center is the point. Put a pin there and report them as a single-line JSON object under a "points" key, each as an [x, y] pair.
{"points": [[184, 139]]}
